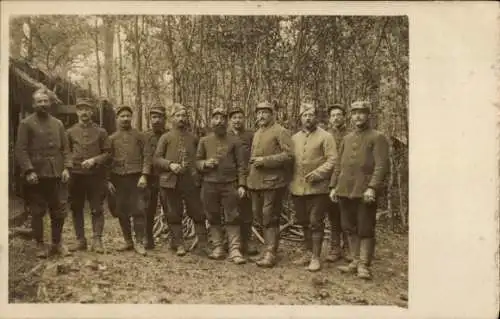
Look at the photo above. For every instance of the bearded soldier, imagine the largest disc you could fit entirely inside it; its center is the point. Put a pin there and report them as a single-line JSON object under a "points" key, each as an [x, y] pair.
{"points": [[175, 158], [89, 145], [128, 179], [270, 157], [157, 118], [42, 152], [356, 184], [223, 164], [314, 157], [237, 129], [338, 130]]}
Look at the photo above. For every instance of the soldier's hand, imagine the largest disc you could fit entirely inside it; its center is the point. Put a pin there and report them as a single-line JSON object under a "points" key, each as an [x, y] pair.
{"points": [[241, 192], [333, 196], [65, 176], [32, 178], [211, 163], [88, 163], [312, 177], [143, 182], [369, 195], [111, 188], [257, 161], [176, 168]]}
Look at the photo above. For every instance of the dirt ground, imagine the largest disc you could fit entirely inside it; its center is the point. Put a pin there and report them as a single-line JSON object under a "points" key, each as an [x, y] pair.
{"points": [[162, 277]]}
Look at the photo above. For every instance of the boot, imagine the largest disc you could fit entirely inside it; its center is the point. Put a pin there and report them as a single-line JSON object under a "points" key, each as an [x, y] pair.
{"points": [[234, 240], [335, 252], [367, 246], [97, 229], [305, 253], [271, 237], [201, 247], [246, 244], [177, 242], [37, 228], [78, 225], [127, 234], [346, 252], [354, 247], [139, 227], [57, 247], [317, 243], [216, 233]]}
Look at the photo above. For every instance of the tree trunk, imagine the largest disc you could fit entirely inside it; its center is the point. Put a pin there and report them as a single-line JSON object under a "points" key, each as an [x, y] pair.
{"points": [[120, 59], [98, 63], [138, 91], [108, 55]]}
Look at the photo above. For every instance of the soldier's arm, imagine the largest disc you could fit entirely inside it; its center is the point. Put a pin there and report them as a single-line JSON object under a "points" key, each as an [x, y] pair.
{"points": [[381, 159], [201, 155], [336, 166], [241, 162], [142, 140], [148, 154], [109, 159], [158, 159], [21, 149], [286, 154], [68, 163], [324, 171], [105, 145]]}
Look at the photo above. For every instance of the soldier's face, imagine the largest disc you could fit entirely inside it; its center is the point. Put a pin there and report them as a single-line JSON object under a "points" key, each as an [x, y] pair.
{"points": [[264, 117], [237, 121], [180, 118], [359, 117], [219, 123], [157, 121], [84, 113], [125, 119], [308, 119], [41, 103], [337, 118]]}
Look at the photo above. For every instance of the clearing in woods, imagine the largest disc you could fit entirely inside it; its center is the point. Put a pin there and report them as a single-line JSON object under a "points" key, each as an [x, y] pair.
{"points": [[162, 277]]}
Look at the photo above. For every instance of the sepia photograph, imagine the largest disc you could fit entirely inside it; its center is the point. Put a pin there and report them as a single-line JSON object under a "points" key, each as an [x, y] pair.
{"points": [[208, 159]]}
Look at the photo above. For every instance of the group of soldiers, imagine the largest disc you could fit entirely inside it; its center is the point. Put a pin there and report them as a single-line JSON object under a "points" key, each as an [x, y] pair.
{"points": [[230, 178]]}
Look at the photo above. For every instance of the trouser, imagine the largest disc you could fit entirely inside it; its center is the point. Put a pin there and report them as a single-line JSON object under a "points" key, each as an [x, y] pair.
{"points": [[129, 201], [152, 194], [267, 206], [48, 193], [246, 221], [221, 199], [174, 199], [359, 221], [310, 214], [91, 188], [336, 231]]}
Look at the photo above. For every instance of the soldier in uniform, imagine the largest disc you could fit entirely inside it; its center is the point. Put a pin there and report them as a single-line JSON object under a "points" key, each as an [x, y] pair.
{"points": [[222, 162], [128, 179], [315, 154], [175, 158], [157, 117], [271, 155], [237, 129], [89, 146], [338, 130], [42, 152], [356, 184]]}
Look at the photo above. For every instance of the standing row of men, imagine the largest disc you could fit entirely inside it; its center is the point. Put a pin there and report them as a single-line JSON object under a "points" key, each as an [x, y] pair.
{"points": [[230, 177]]}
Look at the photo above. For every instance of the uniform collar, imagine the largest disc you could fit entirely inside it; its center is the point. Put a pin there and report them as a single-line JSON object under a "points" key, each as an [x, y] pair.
{"points": [[87, 125]]}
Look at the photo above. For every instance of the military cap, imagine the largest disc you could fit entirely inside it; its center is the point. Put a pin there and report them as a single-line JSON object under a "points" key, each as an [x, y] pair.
{"points": [[235, 110], [84, 102], [336, 106], [219, 110], [361, 105], [265, 105], [304, 107], [123, 108], [177, 107], [157, 110]]}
